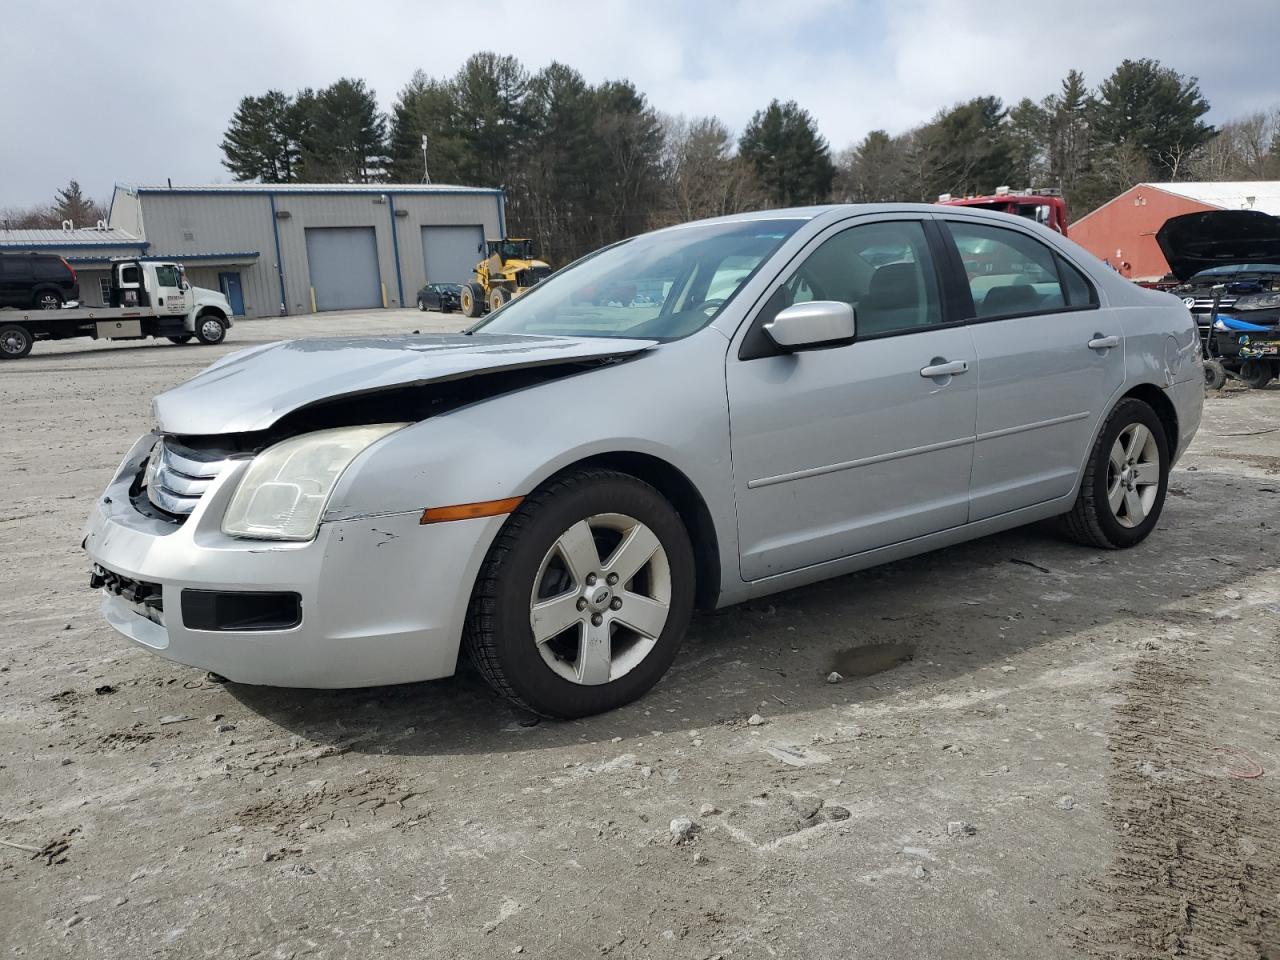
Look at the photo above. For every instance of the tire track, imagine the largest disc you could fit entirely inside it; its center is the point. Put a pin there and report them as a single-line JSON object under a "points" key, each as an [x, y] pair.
{"points": [[1197, 867]]}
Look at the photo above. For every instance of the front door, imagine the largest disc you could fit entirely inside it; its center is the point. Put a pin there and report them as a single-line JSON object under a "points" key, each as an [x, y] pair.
{"points": [[841, 450], [171, 298], [229, 284], [1049, 364]]}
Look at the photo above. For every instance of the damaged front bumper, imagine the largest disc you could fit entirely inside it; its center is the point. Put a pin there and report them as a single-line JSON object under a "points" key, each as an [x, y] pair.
{"points": [[369, 601]]}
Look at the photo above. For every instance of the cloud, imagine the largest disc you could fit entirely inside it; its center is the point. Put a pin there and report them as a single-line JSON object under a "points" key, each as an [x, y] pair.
{"points": [[144, 92]]}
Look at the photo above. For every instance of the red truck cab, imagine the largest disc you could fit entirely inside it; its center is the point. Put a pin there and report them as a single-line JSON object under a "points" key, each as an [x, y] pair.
{"points": [[1044, 205]]}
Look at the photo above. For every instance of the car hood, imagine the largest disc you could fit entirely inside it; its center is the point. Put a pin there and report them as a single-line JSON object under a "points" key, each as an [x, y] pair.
{"points": [[1196, 241], [252, 389]]}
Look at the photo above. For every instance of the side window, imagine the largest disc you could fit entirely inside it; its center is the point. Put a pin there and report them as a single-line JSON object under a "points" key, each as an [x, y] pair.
{"points": [[167, 276], [883, 270], [130, 275], [1009, 273], [1079, 290]]}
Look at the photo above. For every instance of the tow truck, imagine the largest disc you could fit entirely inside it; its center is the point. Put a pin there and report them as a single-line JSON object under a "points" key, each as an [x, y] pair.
{"points": [[1041, 204], [148, 298]]}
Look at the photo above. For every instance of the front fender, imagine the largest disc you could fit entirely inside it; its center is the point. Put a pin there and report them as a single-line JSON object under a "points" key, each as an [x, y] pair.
{"points": [[668, 403]]}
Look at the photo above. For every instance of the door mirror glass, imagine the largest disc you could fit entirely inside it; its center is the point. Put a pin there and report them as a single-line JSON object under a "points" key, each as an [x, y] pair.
{"points": [[813, 324]]}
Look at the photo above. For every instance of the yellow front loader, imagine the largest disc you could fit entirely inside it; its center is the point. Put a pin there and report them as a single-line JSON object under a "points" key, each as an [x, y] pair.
{"points": [[508, 271]]}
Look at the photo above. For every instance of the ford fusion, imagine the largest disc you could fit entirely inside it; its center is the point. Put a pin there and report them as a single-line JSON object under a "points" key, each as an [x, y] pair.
{"points": [[758, 402]]}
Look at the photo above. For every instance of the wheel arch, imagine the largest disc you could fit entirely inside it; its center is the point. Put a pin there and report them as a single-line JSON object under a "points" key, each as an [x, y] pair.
{"points": [[688, 502], [210, 308], [1158, 401]]}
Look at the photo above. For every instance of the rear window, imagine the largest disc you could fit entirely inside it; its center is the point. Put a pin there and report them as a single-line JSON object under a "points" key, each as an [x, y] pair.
{"points": [[50, 268]]}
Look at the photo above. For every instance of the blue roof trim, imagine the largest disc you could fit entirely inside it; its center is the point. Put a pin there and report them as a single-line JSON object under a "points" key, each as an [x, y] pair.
{"points": [[78, 245], [201, 256]]}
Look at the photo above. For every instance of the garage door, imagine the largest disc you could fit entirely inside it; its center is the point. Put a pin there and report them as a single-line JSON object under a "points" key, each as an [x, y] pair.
{"points": [[344, 267], [450, 254]]}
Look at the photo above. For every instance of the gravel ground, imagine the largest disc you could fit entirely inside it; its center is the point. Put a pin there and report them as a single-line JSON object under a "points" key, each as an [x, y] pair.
{"points": [[1068, 753]]}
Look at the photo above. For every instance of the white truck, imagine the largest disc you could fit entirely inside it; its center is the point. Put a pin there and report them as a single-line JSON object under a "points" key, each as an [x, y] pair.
{"points": [[148, 298]]}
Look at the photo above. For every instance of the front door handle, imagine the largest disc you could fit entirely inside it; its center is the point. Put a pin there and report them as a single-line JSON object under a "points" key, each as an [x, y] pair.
{"points": [[1099, 342], [944, 368]]}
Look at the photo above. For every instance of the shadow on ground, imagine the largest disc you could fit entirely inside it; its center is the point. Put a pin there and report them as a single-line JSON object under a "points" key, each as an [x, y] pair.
{"points": [[964, 610]]}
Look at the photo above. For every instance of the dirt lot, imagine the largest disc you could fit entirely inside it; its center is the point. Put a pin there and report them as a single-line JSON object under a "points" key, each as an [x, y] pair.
{"points": [[1080, 758]]}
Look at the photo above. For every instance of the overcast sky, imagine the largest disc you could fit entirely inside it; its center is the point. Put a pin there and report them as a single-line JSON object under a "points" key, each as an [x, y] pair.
{"points": [[140, 92]]}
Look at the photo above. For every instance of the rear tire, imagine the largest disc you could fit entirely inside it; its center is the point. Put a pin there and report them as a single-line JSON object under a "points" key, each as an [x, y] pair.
{"points": [[185, 338], [1257, 374], [1215, 374], [499, 297], [472, 300], [602, 564], [210, 329], [1125, 480], [48, 300], [15, 341]]}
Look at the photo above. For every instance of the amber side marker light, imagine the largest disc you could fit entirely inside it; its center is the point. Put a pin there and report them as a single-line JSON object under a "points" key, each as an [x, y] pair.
{"points": [[469, 511]]}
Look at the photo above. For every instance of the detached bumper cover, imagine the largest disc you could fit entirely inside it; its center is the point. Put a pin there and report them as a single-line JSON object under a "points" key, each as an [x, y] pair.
{"points": [[383, 599]]}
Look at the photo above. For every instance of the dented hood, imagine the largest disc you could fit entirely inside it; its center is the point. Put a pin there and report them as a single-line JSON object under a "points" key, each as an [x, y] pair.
{"points": [[1197, 241], [252, 389]]}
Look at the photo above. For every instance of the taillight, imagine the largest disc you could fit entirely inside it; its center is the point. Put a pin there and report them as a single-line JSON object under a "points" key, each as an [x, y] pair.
{"points": [[74, 278]]}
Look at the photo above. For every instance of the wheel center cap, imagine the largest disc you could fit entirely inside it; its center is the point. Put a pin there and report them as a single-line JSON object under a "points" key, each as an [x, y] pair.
{"points": [[598, 598]]}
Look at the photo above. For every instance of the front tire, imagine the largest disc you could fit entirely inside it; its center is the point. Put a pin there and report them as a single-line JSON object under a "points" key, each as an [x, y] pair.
{"points": [[472, 300], [422, 305], [1257, 374], [210, 329], [498, 298], [1125, 480], [1215, 374], [585, 596], [15, 341]]}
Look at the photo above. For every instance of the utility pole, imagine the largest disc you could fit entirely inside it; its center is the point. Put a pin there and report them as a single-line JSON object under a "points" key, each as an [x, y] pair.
{"points": [[426, 177]]}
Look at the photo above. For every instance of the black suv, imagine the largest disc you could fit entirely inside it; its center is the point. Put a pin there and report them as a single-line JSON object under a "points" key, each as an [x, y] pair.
{"points": [[36, 281]]}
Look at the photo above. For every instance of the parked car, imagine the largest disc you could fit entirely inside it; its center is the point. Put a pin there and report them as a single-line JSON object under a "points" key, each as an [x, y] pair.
{"points": [[36, 281], [444, 297], [1229, 260], [555, 490]]}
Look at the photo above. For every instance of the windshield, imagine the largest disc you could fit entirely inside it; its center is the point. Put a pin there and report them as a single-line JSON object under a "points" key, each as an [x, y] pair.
{"points": [[1228, 269], [660, 286]]}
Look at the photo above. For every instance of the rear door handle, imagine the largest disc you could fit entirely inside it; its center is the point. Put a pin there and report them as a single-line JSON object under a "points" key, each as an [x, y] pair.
{"points": [[944, 368], [1099, 342]]}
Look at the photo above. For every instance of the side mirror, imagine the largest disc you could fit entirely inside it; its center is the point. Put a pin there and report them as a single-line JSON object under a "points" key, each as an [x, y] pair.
{"points": [[818, 323]]}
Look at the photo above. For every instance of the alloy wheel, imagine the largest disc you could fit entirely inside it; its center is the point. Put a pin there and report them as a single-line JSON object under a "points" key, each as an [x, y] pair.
{"points": [[601, 598], [1133, 475]]}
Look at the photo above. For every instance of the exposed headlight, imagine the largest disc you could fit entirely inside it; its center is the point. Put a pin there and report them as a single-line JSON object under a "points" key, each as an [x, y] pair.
{"points": [[1258, 301], [284, 492]]}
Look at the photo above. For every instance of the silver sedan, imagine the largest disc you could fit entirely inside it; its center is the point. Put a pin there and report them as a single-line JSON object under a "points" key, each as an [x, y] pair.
{"points": [[688, 419]]}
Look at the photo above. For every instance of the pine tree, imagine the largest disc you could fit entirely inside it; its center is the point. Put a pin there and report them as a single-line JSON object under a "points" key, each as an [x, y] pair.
{"points": [[792, 160]]}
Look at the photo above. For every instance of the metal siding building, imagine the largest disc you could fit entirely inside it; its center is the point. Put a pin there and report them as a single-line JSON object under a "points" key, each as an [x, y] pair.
{"points": [[251, 240], [257, 236]]}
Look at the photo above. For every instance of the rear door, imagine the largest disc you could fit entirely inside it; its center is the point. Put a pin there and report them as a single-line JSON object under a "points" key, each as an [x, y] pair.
{"points": [[1049, 363], [15, 280], [841, 450]]}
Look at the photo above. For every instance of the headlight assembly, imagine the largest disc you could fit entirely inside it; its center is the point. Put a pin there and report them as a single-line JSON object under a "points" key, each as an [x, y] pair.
{"points": [[1258, 301], [283, 494]]}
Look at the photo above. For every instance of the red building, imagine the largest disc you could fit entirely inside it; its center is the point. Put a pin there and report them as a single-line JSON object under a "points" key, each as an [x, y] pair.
{"points": [[1122, 231]]}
